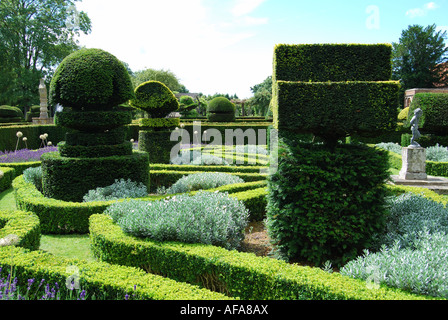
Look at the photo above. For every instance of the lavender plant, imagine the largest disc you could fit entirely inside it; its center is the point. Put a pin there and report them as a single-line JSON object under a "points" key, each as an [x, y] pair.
{"points": [[24, 155], [209, 218], [121, 189]]}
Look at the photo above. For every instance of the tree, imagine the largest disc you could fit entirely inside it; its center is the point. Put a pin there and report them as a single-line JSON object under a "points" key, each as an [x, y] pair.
{"points": [[167, 77], [35, 36], [262, 97], [418, 56]]}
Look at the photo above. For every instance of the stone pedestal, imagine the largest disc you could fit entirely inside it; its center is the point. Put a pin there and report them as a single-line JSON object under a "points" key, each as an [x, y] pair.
{"points": [[414, 164]]}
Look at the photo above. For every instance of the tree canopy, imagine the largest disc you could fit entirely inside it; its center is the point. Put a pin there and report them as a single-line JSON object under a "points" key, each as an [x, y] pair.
{"points": [[167, 77], [35, 36], [418, 57]]}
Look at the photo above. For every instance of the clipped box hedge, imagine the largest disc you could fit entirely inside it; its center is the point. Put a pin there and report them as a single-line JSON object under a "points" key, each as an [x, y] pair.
{"points": [[24, 225], [435, 112], [237, 274], [433, 168], [356, 107], [8, 177], [99, 279], [329, 62], [166, 178]]}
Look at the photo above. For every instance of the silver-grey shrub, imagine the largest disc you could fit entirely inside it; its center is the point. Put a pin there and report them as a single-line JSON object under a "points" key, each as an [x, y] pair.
{"points": [[421, 268], [408, 215], [206, 217], [437, 153], [203, 181], [34, 175], [390, 146], [412, 252], [121, 189]]}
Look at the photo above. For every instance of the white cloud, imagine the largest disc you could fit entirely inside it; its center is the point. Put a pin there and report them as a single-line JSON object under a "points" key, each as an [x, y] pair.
{"points": [[189, 38], [244, 7], [420, 12]]}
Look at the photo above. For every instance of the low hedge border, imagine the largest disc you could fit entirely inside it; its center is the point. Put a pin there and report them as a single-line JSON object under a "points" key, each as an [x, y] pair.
{"points": [[172, 167], [166, 178], [99, 278], [61, 217], [24, 225], [433, 168], [8, 177], [19, 167], [237, 274]]}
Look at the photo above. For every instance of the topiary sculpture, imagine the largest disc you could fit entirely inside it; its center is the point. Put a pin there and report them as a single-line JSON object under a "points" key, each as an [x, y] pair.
{"points": [[10, 114], [158, 101], [327, 199], [90, 84], [220, 109]]}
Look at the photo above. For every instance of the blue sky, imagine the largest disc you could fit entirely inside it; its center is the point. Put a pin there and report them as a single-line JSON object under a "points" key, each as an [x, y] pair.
{"points": [[226, 46]]}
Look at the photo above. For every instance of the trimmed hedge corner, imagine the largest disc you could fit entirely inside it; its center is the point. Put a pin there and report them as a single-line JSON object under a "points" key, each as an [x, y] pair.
{"points": [[24, 225], [8, 177]]}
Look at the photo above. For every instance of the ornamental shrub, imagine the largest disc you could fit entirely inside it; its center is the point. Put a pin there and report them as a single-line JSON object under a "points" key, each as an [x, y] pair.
{"points": [[120, 189], [209, 218], [408, 215], [203, 181], [155, 98], [34, 176], [220, 109], [326, 204], [90, 79], [437, 153], [10, 112]]}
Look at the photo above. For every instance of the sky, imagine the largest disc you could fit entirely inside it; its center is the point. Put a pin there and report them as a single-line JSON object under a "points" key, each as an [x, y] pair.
{"points": [[226, 46]]}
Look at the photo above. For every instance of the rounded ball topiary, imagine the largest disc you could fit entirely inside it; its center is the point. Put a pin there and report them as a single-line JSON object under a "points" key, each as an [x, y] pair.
{"points": [[155, 98], [90, 79], [221, 105]]}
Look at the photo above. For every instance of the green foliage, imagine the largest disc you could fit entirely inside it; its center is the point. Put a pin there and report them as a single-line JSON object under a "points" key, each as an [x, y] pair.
{"points": [[120, 189], [210, 218], [110, 137], [203, 181], [238, 274], [364, 108], [93, 121], [166, 77], [157, 123], [326, 204], [157, 144], [10, 112], [34, 38], [418, 57], [220, 109], [332, 62], [6, 177], [155, 98], [69, 179], [90, 79], [390, 146], [99, 151], [435, 112], [403, 115], [24, 225]]}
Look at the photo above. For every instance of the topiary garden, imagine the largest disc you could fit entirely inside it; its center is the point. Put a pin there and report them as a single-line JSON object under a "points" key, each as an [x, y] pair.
{"points": [[161, 231]]}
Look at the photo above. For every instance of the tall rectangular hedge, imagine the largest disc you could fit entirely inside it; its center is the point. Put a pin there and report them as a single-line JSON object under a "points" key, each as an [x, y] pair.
{"points": [[334, 89], [330, 62]]}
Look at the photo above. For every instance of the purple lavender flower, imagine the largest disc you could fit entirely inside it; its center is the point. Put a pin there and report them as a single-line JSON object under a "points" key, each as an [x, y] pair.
{"points": [[24, 155]]}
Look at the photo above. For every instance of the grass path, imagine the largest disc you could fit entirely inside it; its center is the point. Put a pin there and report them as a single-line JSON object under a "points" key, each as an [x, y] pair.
{"points": [[67, 246]]}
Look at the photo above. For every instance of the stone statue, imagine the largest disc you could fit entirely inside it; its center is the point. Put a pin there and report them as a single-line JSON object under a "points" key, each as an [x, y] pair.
{"points": [[43, 100], [414, 127]]}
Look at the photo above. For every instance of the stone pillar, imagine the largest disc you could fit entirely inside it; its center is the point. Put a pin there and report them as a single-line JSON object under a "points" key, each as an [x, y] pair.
{"points": [[43, 100], [414, 164]]}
